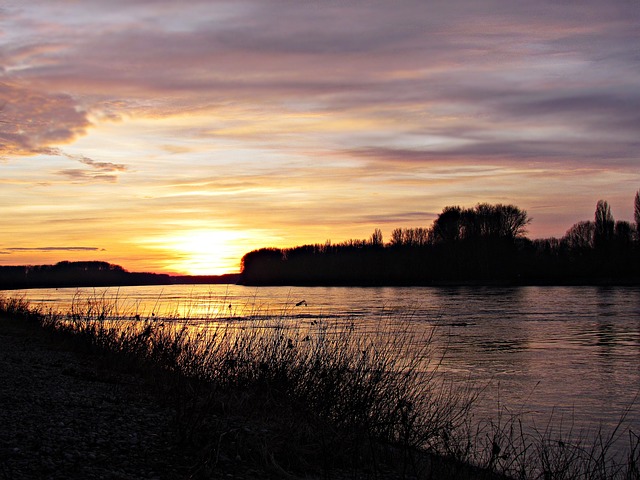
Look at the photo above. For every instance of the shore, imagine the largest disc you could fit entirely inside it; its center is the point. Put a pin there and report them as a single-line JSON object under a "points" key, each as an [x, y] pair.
{"points": [[69, 414], [65, 416], [81, 400]]}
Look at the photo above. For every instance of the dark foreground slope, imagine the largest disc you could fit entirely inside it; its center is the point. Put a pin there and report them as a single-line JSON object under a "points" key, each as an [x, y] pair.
{"points": [[64, 415], [71, 412]]}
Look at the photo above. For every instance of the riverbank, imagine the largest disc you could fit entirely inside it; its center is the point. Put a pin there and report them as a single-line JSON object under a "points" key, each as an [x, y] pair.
{"points": [[90, 397], [69, 413], [64, 415]]}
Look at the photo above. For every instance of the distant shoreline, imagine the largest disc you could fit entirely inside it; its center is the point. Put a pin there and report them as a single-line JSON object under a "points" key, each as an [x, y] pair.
{"points": [[95, 274], [226, 279], [597, 282], [234, 279], [101, 274]]}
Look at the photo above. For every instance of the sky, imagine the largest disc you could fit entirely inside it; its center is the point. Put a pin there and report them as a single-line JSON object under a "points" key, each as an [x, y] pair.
{"points": [[174, 137]]}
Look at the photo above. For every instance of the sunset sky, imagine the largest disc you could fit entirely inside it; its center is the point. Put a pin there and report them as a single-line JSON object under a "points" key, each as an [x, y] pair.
{"points": [[174, 137]]}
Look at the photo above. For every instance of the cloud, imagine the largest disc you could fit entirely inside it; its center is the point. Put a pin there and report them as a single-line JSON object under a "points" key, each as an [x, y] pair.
{"points": [[78, 175], [611, 112], [35, 122], [487, 153], [334, 56], [101, 171], [10, 250], [100, 166], [400, 219]]}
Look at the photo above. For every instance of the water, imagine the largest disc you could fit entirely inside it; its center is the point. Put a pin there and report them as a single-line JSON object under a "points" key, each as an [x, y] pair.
{"points": [[567, 355]]}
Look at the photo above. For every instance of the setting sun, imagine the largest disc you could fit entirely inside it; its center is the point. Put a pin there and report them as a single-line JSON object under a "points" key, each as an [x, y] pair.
{"points": [[208, 252]]}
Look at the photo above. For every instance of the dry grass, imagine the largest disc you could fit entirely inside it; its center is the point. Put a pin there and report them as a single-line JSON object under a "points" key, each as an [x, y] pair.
{"points": [[556, 451]]}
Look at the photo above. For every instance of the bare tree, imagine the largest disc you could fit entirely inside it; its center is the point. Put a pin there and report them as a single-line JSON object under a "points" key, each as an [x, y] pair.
{"points": [[376, 238], [494, 221], [624, 232], [512, 221], [580, 236], [636, 211], [423, 236], [396, 237], [446, 228], [604, 224]]}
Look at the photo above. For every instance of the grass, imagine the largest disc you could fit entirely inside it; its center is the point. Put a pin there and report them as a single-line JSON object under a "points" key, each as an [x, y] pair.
{"points": [[555, 451], [324, 399]]}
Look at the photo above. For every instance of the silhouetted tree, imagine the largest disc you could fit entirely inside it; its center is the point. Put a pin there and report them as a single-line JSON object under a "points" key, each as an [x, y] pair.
{"points": [[262, 266], [484, 243], [546, 246], [604, 225], [500, 221], [78, 274], [410, 237], [417, 237], [636, 213], [512, 221], [396, 238], [376, 238], [580, 236], [487, 220], [446, 228], [623, 236], [353, 243]]}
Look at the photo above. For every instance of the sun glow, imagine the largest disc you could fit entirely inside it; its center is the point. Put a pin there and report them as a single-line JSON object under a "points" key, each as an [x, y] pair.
{"points": [[209, 252]]}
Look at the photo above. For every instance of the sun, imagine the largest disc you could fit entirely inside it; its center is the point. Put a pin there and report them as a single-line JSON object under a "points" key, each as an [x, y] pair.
{"points": [[206, 252]]}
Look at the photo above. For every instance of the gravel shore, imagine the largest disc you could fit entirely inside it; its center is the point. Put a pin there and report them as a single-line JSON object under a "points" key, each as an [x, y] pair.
{"points": [[63, 416]]}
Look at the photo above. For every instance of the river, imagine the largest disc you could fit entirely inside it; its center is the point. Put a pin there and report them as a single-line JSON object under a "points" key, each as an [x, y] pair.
{"points": [[567, 355]]}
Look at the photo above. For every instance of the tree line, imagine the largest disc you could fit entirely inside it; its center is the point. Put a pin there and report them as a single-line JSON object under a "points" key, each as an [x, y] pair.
{"points": [[483, 244], [94, 274], [75, 274]]}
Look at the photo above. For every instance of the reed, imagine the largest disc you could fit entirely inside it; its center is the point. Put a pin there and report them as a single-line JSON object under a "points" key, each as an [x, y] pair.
{"points": [[508, 446]]}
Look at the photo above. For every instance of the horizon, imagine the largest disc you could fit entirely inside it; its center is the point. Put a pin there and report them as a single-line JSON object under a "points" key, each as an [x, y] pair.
{"points": [[239, 271], [173, 139]]}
